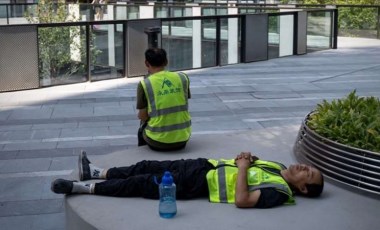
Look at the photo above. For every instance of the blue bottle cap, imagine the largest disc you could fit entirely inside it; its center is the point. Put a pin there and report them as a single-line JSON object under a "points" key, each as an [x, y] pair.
{"points": [[167, 179]]}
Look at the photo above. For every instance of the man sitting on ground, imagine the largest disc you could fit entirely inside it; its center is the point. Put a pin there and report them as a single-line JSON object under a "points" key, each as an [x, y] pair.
{"points": [[245, 181], [162, 101]]}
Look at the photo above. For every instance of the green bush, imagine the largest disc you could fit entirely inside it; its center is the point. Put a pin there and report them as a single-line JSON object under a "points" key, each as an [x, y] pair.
{"points": [[353, 21], [353, 121], [62, 49]]}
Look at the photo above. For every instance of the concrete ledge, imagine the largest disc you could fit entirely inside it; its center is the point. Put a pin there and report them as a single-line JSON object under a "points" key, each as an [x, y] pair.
{"points": [[97, 212]]}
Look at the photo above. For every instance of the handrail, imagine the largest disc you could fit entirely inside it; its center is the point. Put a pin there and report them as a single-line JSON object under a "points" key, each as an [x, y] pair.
{"points": [[227, 2], [222, 5], [103, 22], [156, 4], [298, 46]]}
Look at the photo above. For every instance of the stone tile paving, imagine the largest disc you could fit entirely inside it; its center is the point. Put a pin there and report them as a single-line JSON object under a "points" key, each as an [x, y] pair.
{"points": [[42, 131]]}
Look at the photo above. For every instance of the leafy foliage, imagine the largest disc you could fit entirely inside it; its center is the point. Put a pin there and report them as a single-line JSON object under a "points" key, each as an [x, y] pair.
{"points": [[351, 19], [54, 42], [335, 2], [61, 49], [353, 121]]}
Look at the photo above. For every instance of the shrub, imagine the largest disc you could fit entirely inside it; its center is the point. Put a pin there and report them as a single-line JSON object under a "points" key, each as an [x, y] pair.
{"points": [[62, 49], [353, 121]]}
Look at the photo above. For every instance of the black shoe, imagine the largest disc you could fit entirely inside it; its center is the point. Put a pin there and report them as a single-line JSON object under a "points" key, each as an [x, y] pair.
{"points": [[84, 167], [62, 186]]}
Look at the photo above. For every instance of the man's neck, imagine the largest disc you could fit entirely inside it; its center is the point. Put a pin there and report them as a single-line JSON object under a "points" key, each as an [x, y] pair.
{"points": [[284, 174], [154, 70]]}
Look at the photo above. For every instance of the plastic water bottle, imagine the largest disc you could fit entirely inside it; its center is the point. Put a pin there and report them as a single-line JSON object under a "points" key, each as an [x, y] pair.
{"points": [[168, 206]]}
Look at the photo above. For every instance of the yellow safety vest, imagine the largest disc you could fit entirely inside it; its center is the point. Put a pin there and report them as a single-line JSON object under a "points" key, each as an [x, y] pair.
{"points": [[222, 180], [169, 118]]}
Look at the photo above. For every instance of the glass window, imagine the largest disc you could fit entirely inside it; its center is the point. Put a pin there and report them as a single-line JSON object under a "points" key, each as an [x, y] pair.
{"points": [[273, 37], [318, 30], [133, 12], [107, 59], [358, 21], [230, 41], [62, 55], [178, 43], [208, 43], [161, 12]]}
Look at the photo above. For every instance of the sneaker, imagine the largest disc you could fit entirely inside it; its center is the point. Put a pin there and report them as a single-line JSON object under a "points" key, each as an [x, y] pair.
{"points": [[84, 167], [62, 186]]}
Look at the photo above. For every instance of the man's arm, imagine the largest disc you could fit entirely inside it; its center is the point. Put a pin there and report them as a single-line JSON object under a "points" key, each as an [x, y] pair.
{"points": [[143, 115], [141, 104], [188, 88], [243, 197]]}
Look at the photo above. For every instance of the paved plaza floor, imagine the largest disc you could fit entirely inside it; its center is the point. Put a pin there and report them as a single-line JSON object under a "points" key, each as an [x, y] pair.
{"points": [[42, 131]]}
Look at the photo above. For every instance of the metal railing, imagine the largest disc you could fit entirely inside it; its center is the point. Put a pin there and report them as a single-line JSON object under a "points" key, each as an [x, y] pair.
{"points": [[98, 50], [365, 24]]}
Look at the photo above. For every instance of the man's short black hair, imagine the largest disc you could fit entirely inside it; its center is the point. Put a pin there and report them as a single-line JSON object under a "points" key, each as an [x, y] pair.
{"points": [[314, 190], [156, 57]]}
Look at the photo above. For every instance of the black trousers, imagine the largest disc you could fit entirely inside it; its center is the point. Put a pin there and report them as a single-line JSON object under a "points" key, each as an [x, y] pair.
{"points": [[139, 180]]}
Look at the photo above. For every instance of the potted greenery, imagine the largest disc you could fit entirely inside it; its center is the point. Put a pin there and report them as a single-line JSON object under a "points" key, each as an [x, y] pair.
{"points": [[353, 121], [342, 138]]}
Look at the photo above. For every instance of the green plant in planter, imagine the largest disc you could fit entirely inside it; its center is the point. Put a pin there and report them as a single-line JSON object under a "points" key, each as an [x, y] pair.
{"points": [[353, 121]]}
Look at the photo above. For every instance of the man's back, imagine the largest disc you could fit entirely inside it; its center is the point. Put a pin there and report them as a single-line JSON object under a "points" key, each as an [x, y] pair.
{"points": [[162, 101]]}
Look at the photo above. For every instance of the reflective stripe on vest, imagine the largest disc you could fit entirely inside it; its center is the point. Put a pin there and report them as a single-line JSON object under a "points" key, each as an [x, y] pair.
{"points": [[222, 183], [169, 127], [276, 186], [159, 112]]}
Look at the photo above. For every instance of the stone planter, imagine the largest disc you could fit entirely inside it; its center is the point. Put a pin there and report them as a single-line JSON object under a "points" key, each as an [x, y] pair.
{"points": [[350, 166]]}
